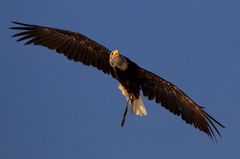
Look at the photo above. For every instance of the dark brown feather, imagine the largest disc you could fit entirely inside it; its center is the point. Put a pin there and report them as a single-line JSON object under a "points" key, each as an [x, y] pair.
{"points": [[177, 102], [73, 45]]}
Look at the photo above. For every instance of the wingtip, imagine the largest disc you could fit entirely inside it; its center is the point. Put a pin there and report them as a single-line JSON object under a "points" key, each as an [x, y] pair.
{"points": [[18, 23], [21, 24], [14, 22]]}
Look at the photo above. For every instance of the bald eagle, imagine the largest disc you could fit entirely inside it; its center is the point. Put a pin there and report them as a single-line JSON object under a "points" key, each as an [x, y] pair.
{"points": [[132, 78]]}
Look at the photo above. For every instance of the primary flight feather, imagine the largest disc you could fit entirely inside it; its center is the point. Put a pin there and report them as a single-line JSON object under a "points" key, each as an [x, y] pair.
{"points": [[131, 77]]}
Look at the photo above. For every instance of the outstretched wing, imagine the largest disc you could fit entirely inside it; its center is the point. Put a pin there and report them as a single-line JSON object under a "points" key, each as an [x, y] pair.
{"points": [[74, 46], [176, 101]]}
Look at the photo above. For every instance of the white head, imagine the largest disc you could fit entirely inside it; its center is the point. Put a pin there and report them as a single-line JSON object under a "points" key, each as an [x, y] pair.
{"points": [[116, 60]]}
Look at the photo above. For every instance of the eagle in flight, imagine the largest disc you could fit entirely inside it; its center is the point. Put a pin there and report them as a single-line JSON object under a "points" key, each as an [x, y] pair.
{"points": [[132, 78]]}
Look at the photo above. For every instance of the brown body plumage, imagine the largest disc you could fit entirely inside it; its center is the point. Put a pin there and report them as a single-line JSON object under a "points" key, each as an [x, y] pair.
{"points": [[79, 48]]}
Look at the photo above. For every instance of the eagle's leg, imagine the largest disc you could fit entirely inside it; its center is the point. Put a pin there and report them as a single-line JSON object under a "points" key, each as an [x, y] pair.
{"points": [[124, 115], [134, 101]]}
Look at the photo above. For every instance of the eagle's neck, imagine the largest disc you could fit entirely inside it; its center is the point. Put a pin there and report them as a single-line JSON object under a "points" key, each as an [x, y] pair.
{"points": [[123, 64]]}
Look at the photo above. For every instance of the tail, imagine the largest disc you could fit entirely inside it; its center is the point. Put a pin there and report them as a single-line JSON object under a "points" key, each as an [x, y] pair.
{"points": [[136, 104], [137, 107]]}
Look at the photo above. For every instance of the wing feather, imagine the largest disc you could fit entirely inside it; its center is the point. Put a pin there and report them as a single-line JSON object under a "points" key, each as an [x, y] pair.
{"points": [[73, 45], [177, 102]]}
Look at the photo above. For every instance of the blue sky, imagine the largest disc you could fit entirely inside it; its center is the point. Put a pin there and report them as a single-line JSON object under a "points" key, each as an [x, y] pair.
{"points": [[54, 108]]}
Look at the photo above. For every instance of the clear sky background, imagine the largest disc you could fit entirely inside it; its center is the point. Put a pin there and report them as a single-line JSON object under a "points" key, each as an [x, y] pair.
{"points": [[54, 108]]}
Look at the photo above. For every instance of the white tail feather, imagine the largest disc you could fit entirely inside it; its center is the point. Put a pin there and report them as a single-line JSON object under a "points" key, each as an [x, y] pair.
{"points": [[136, 105]]}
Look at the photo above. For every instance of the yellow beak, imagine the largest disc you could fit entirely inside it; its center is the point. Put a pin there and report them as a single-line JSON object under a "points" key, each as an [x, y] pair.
{"points": [[115, 54]]}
